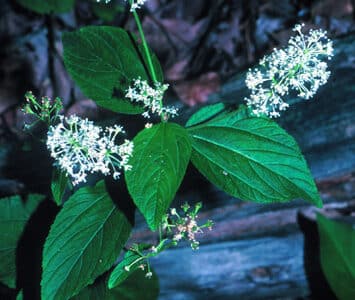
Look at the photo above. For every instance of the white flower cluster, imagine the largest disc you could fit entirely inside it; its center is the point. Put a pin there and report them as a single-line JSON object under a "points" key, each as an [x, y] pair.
{"points": [[80, 147], [297, 67], [135, 4], [151, 98]]}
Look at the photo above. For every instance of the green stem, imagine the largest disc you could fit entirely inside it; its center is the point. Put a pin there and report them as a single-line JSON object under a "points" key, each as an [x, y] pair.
{"points": [[135, 262], [145, 46], [160, 234]]}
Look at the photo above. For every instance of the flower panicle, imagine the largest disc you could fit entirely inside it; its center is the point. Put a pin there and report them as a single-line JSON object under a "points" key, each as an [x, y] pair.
{"points": [[151, 98], [79, 147], [299, 67]]}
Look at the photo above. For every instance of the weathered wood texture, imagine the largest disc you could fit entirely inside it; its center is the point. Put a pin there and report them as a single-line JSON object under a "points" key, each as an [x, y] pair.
{"points": [[253, 252], [257, 251], [262, 268]]}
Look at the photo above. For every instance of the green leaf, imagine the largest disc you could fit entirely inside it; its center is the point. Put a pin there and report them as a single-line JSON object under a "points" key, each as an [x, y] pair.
{"points": [[138, 287], [58, 185], [84, 241], [48, 6], [204, 114], [19, 295], [14, 214], [252, 158], [337, 256], [103, 61], [159, 161], [120, 274], [135, 287]]}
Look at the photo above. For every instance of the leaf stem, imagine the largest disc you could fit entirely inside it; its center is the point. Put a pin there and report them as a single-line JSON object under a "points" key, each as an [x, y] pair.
{"points": [[160, 234]]}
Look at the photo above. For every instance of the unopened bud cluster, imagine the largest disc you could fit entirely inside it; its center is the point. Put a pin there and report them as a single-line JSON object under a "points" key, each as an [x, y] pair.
{"points": [[151, 98], [45, 110], [79, 147], [185, 226], [299, 67]]}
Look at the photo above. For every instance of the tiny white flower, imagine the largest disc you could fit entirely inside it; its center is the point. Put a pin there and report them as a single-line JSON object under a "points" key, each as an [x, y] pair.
{"points": [[136, 4], [116, 175], [177, 237]]}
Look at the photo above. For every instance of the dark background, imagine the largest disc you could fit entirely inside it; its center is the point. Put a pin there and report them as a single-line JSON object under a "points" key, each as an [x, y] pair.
{"points": [[254, 251]]}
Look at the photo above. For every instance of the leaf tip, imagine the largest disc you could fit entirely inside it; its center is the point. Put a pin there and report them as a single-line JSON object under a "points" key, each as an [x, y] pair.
{"points": [[318, 202], [110, 284], [153, 225]]}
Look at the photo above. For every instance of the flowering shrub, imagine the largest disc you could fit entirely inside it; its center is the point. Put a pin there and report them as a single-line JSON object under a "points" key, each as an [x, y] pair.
{"points": [[243, 152]]}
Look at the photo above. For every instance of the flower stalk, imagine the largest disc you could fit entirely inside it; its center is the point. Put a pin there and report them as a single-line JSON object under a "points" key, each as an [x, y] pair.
{"points": [[145, 47]]}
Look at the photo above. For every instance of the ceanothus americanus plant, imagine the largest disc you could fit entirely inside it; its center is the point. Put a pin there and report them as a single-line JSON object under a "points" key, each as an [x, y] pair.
{"points": [[243, 152]]}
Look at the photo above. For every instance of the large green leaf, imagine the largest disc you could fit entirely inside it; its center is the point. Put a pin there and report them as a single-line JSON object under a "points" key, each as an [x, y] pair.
{"points": [[337, 256], [47, 6], [160, 157], [14, 213], [136, 287], [120, 274], [103, 61], [252, 158], [84, 241], [204, 114]]}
